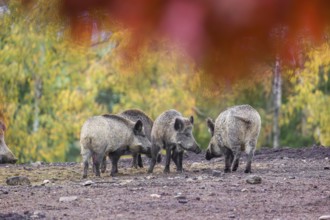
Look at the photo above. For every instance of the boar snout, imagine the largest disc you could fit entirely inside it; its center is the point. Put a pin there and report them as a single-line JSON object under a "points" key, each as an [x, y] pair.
{"points": [[144, 150], [7, 159], [13, 161], [208, 155], [198, 150]]}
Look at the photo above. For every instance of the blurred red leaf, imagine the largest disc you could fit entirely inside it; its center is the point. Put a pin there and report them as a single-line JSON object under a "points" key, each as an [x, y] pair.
{"points": [[224, 36]]}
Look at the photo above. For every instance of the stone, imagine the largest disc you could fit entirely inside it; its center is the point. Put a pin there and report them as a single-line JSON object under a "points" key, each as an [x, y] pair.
{"points": [[216, 173], [182, 201], [3, 191], [125, 182], [46, 181], [324, 217], [180, 197], [155, 195], [244, 190], [252, 179], [27, 168], [68, 198], [327, 168], [195, 165], [199, 178], [150, 177], [37, 164], [37, 215], [18, 180], [88, 183]]}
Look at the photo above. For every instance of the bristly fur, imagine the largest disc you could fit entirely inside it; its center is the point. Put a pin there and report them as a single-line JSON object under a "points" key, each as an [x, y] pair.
{"points": [[136, 113], [118, 118]]}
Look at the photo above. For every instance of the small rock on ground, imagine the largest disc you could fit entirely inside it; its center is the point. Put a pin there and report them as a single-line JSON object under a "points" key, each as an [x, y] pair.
{"points": [[325, 217], [195, 165], [68, 198], [180, 197], [253, 179], [37, 215], [18, 180], [216, 173], [182, 201], [155, 195], [88, 183]]}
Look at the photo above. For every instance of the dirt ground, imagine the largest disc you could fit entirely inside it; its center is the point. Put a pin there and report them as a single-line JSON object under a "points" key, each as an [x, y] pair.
{"points": [[295, 185]]}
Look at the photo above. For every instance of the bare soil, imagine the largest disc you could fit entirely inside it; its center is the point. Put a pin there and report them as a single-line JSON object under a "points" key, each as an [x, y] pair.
{"points": [[295, 185]]}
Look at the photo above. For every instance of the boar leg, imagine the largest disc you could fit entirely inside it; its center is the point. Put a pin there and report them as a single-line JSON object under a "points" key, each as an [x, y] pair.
{"points": [[179, 162], [154, 155], [236, 160], [86, 156], [114, 161], [250, 151], [228, 159], [139, 161], [135, 162], [104, 164], [168, 159], [175, 157], [97, 158]]}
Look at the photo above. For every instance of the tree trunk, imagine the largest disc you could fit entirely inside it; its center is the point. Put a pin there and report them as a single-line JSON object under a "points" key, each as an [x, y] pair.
{"points": [[277, 97]]}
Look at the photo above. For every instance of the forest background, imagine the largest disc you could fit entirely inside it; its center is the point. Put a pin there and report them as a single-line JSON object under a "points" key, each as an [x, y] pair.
{"points": [[50, 85]]}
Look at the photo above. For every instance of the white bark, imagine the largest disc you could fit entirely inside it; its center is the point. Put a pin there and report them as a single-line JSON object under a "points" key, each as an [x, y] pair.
{"points": [[277, 99]]}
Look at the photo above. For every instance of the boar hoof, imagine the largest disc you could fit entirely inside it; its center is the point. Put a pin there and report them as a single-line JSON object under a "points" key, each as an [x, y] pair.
{"points": [[247, 171], [114, 174], [84, 176], [166, 170], [159, 158], [227, 170]]}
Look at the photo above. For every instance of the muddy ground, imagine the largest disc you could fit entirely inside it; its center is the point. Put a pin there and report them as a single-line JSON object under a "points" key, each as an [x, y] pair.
{"points": [[295, 185]]}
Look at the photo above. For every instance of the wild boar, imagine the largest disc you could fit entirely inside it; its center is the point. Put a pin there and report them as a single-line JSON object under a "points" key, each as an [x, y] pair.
{"points": [[111, 135], [173, 132], [135, 115], [6, 156], [235, 130]]}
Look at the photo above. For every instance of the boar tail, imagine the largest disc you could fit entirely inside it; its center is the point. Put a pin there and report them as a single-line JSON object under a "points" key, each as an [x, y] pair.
{"points": [[246, 120], [87, 142]]}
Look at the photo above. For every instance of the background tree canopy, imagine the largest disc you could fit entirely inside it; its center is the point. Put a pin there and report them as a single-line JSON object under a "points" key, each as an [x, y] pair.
{"points": [[49, 86]]}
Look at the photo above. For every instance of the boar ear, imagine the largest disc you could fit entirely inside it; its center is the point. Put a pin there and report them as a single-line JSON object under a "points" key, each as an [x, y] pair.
{"points": [[138, 126], [178, 124], [210, 125], [191, 119]]}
